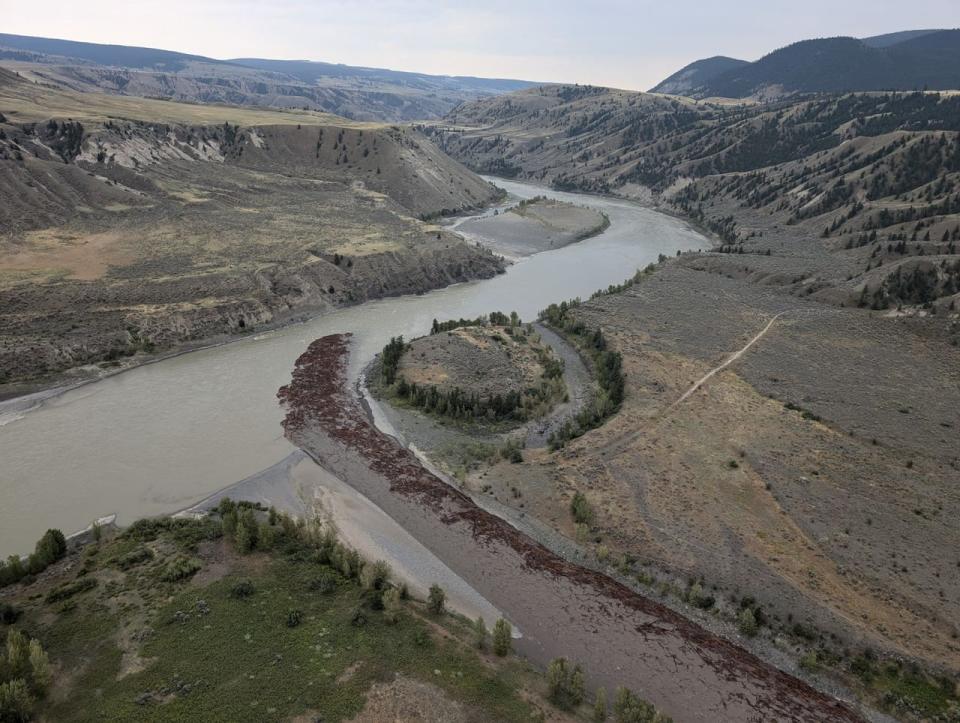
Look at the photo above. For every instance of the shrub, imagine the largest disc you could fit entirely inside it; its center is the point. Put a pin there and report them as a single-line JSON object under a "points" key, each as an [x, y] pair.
{"points": [[565, 684], [600, 706], [747, 622], [375, 575], [392, 606], [325, 583], [242, 589], [180, 569], [294, 618], [247, 529], [502, 637], [358, 618], [69, 589], [131, 559], [16, 703], [8, 614], [628, 708], [436, 600], [480, 634], [580, 509]]}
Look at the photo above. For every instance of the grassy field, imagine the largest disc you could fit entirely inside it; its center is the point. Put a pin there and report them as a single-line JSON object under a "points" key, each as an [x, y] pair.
{"points": [[298, 638]]}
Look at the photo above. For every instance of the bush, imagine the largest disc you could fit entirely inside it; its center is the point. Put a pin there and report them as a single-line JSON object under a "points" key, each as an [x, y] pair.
{"points": [[502, 637], [131, 559], [436, 600], [600, 707], [325, 583], [8, 614], [392, 606], [580, 509], [565, 684], [16, 703], [747, 622], [180, 569], [375, 575], [480, 634], [242, 589], [294, 618], [628, 708], [69, 589], [358, 618], [247, 531]]}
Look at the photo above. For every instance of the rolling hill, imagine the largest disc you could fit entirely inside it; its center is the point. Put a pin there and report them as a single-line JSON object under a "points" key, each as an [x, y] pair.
{"points": [[910, 60], [372, 94]]}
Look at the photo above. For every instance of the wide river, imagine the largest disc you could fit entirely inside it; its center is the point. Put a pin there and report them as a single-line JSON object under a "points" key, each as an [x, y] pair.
{"points": [[161, 437]]}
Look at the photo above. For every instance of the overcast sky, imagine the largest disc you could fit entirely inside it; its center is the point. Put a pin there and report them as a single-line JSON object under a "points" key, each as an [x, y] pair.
{"points": [[621, 43]]}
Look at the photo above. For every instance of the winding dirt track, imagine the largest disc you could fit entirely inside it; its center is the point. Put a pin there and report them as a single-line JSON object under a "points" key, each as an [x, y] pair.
{"points": [[730, 360], [620, 637]]}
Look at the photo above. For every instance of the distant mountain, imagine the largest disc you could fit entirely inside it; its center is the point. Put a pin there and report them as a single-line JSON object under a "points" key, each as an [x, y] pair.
{"points": [[358, 93], [311, 71], [697, 74], [910, 60], [885, 41]]}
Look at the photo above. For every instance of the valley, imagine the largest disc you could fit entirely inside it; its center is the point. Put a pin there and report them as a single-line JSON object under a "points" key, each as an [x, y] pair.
{"points": [[660, 388]]}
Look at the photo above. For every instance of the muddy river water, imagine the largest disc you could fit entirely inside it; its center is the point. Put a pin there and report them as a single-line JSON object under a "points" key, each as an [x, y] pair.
{"points": [[161, 437]]}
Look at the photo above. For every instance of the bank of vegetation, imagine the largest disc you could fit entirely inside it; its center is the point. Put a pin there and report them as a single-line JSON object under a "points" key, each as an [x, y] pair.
{"points": [[139, 622]]}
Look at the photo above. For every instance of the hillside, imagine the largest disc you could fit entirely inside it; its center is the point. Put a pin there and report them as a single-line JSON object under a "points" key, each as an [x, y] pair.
{"points": [[836, 223], [696, 75], [136, 624], [133, 225], [870, 181], [911, 60], [358, 93]]}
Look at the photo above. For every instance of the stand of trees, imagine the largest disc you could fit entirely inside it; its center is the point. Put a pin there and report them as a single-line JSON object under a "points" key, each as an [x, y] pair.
{"points": [[609, 369]]}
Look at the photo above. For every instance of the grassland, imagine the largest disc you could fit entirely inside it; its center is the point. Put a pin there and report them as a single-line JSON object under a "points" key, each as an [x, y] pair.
{"points": [[181, 625]]}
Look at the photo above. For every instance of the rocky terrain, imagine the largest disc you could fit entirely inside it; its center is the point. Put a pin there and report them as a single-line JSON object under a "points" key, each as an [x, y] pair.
{"points": [[132, 225], [358, 93], [534, 226]]}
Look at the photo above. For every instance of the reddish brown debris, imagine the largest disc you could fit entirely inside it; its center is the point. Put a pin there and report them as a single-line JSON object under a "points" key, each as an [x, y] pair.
{"points": [[319, 400]]}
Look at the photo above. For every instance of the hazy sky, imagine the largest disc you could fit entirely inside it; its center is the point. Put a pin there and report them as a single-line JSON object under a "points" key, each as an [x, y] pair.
{"points": [[621, 43]]}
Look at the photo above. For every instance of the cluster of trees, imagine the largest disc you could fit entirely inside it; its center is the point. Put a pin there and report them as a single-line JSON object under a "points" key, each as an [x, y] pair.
{"points": [[50, 548], [609, 369], [496, 318], [25, 677], [458, 404], [390, 359]]}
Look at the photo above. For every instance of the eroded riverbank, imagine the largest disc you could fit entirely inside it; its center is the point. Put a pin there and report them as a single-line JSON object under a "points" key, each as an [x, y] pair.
{"points": [[622, 638]]}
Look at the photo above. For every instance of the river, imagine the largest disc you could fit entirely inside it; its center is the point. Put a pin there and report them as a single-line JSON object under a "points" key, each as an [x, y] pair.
{"points": [[163, 436]]}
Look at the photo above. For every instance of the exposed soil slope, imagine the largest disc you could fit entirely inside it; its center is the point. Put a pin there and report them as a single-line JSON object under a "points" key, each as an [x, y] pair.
{"points": [[120, 234]]}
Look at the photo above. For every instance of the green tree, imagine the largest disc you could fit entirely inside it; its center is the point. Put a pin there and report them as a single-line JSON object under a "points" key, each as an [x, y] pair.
{"points": [[18, 654], [247, 529], [480, 634], [502, 637], [16, 703], [39, 667], [436, 600], [628, 708], [565, 684]]}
